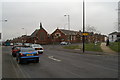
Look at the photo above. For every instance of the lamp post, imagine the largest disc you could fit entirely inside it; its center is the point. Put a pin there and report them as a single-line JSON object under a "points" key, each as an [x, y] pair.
{"points": [[83, 26], [5, 20], [25, 31], [68, 21]]}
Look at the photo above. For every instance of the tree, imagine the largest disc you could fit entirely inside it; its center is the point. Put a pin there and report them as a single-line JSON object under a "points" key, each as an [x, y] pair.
{"points": [[90, 28]]}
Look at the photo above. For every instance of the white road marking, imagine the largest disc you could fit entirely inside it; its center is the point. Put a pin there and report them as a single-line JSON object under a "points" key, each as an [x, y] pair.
{"points": [[25, 75], [51, 57], [14, 68]]}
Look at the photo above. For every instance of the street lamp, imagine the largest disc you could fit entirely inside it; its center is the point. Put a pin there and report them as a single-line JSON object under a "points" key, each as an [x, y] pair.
{"points": [[5, 20], [25, 31], [68, 21]]}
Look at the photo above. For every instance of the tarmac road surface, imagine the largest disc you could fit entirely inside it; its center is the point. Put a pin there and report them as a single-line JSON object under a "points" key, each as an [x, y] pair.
{"points": [[60, 64]]}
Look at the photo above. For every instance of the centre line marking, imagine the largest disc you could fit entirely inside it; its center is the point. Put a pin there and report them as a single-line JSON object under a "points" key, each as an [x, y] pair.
{"points": [[51, 57]]}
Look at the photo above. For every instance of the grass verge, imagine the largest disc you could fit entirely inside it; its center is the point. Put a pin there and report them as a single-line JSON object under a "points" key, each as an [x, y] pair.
{"points": [[88, 47], [115, 46], [93, 47]]}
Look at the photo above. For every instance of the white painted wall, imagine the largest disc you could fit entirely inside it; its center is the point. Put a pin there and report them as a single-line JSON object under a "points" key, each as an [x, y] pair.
{"points": [[112, 38]]}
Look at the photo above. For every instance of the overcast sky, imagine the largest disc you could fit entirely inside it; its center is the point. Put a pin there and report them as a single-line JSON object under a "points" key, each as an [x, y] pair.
{"points": [[103, 15]]}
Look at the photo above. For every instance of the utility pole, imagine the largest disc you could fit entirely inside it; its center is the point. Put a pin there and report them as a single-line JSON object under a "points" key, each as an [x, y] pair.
{"points": [[83, 26]]}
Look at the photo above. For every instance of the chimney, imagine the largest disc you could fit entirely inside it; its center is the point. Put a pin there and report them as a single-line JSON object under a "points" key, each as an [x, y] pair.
{"points": [[40, 25]]}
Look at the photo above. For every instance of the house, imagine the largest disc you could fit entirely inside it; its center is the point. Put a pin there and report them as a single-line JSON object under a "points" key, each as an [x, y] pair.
{"points": [[40, 36], [22, 39], [60, 35], [114, 36], [92, 37]]}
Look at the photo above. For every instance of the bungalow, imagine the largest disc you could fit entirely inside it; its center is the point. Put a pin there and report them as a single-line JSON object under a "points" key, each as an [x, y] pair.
{"points": [[114, 36]]}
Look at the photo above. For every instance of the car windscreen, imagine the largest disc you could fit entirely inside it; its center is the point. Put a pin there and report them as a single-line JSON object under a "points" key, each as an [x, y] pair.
{"points": [[27, 50]]}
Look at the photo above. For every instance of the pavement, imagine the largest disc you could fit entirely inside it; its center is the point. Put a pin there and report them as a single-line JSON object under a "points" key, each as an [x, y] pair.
{"points": [[106, 49], [61, 64]]}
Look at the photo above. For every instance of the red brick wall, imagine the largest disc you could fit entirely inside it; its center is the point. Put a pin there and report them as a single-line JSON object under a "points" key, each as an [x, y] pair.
{"points": [[42, 37], [55, 38]]}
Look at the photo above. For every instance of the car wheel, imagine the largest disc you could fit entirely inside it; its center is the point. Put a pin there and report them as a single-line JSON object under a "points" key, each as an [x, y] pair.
{"points": [[13, 55], [18, 60], [37, 60]]}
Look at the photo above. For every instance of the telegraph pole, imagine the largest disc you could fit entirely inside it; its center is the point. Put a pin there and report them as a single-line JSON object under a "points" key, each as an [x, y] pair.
{"points": [[83, 26]]}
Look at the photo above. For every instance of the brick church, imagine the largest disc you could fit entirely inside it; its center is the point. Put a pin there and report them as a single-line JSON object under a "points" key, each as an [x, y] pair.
{"points": [[40, 36]]}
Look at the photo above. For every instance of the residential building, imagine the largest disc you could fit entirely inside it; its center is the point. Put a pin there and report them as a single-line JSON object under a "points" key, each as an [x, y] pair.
{"points": [[114, 36], [60, 35], [40, 36]]}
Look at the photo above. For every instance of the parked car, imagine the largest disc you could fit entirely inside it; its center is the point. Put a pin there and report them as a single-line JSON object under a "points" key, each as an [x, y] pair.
{"points": [[38, 48], [27, 54], [27, 44], [11, 44], [18, 43]]}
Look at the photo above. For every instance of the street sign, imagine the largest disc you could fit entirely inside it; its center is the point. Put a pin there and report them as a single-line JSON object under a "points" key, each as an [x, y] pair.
{"points": [[85, 34]]}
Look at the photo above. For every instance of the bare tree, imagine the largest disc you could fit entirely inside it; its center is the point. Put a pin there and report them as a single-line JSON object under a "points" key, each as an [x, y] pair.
{"points": [[116, 27], [90, 28]]}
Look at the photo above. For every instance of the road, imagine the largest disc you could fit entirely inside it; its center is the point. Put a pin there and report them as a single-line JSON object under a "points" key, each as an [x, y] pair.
{"points": [[60, 64]]}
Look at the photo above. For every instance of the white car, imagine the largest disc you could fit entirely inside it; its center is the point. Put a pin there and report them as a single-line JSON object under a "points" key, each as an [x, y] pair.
{"points": [[18, 43], [64, 43], [27, 44], [38, 48]]}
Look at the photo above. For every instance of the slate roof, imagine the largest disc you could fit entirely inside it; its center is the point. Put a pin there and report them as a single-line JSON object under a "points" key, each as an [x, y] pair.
{"points": [[34, 33], [68, 32], [113, 33]]}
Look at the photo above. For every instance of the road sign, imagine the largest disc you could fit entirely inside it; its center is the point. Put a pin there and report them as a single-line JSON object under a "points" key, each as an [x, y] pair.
{"points": [[85, 34]]}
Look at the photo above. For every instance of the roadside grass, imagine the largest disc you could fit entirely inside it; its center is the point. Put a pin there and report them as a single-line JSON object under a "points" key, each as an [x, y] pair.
{"points": [[115, 46], [88, 47], [93, 47]]}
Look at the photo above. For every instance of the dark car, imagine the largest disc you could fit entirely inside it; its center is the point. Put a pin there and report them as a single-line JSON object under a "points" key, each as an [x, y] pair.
{"points": [[27, 54], [16, 49]]}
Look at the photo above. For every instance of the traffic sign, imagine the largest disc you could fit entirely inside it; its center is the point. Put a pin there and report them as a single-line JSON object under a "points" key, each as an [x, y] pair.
{"points": [[85, 34]]}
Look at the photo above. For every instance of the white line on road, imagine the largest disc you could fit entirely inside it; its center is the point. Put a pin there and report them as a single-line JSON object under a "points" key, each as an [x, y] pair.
{"points": [[26, 75], [51, 57]]}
